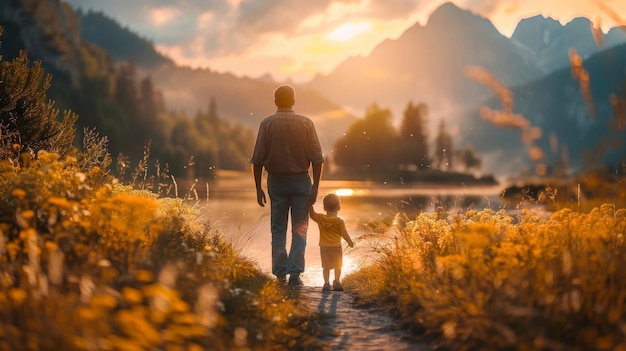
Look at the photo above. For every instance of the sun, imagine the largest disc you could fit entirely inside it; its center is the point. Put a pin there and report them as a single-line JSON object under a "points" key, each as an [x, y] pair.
{"points": [[348, 31]]}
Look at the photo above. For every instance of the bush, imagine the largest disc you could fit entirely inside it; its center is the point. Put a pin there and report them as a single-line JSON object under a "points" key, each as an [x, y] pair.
{"points": [[26, 118]]}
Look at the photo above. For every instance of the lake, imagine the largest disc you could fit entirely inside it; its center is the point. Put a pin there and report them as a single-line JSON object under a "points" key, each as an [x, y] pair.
{"points": [[232, 209]]}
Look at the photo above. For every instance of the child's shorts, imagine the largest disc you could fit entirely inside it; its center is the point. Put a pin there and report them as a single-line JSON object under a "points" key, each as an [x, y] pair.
{"points": [[332, 256]]}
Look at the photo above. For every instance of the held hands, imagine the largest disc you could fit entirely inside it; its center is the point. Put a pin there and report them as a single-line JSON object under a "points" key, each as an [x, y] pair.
{"points": [[313, 195], [260, 197], [351, 243]]}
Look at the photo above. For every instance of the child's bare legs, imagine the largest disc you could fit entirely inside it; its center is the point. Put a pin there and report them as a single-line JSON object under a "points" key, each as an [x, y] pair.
{"points": [[326, 274], [337, 273], [337, 283]]}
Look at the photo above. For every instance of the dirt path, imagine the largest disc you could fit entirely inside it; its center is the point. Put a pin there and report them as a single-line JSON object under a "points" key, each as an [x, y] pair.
{"points": [[345, 327]]}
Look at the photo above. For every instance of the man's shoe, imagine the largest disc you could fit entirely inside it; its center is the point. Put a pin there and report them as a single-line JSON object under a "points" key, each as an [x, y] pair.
{"points": [[337, 286], [326, 287], [282, 279], [294, 280]]}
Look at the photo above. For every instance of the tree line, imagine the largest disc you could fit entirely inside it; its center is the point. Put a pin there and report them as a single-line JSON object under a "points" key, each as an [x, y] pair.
{"points": [[373, 145], [192, 146]]}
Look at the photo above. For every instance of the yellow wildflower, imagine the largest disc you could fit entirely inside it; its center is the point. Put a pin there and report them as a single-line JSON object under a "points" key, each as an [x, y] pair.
{"points": [[18, 295], [144, 276], [103, 300], [132, 295], [18, 193]]}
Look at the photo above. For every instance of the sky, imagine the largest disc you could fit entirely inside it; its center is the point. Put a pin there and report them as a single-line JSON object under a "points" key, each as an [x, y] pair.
{"points": [[294, 40]]}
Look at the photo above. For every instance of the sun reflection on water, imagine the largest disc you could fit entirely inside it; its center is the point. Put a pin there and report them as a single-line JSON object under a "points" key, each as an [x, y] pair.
{"points": [[344, 192], [347, 192]]}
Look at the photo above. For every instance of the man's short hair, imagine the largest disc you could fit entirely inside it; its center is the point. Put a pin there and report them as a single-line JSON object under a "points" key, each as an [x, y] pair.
{"points": [[284, 95], [332, 202]]}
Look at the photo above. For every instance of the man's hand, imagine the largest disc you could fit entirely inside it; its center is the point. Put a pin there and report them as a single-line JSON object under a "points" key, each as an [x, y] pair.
{"points": [[313, 195], [260, 197]]}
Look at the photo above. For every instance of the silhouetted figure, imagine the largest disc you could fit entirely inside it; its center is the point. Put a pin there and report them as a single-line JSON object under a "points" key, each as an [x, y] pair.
{"points": [[287, 146]]}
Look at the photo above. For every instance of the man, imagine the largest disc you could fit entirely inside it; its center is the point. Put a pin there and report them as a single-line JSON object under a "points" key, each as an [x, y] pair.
{"points": [[287, 146]]}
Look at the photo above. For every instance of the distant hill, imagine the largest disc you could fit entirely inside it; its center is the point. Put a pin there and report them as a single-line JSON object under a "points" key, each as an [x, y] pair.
{"points": [[120, 43], [246, 100]]}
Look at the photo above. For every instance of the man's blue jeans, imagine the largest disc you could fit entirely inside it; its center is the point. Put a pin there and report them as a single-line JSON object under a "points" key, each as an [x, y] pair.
{"points": [[289, 195]]}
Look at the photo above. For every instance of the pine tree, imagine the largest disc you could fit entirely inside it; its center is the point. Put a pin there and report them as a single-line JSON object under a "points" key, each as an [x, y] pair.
{"points": [[413, 136], [443, 148], [148, 104], [126, 94], [366, 146]]}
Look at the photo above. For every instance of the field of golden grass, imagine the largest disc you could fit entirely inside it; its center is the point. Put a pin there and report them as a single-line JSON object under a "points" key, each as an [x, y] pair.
{"points": [[484, 280]]}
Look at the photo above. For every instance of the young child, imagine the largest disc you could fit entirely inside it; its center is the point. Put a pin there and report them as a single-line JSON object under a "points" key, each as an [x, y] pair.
{"points": [[332, 229]]}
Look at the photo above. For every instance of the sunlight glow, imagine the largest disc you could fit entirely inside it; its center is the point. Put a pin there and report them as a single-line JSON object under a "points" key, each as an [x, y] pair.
{"points": [[344, 192], [348, 31], [162, 15], [349, 265]]}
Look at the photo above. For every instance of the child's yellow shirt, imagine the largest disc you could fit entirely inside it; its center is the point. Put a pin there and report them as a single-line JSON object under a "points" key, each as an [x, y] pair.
{"points": [[332, 229]]}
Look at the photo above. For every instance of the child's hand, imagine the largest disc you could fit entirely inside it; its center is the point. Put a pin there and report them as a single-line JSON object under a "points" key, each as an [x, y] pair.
{"points": [[351, 244]]}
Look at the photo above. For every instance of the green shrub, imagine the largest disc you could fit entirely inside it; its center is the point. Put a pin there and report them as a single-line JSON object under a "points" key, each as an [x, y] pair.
{"points": [[27, 119]]}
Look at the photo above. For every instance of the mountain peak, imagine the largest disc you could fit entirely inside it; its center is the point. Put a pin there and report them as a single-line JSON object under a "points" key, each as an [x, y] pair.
{"points": [[447, 12], [449, 16], [535, 24], [579, 26], [448, 6]]}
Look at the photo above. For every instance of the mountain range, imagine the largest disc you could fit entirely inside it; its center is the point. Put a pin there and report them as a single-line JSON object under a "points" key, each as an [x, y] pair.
{"points": [[581, 129], [427, 63]]}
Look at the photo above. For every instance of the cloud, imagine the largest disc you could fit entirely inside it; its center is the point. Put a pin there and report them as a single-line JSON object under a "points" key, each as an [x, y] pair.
{"points": [[279, 15], [220, 27], [399, 9], [162, 21], [286, 37], [163, 16], [485, 8]]}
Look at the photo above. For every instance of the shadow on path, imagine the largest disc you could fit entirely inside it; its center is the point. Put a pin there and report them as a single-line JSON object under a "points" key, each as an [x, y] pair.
{"points": [[346, 327]]}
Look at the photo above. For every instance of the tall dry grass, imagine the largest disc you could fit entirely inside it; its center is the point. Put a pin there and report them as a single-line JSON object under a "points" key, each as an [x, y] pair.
{"points": [[483, 280]]}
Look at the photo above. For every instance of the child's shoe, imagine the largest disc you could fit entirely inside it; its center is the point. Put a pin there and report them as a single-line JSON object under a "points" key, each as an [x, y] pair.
{"points": [[337, 285], [326, 287]]}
